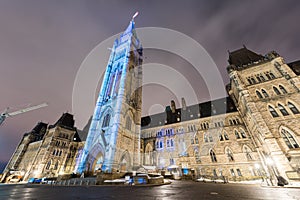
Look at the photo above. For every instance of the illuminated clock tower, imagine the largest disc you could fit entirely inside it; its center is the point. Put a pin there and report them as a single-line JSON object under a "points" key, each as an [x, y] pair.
{"points": [[113, 141]]}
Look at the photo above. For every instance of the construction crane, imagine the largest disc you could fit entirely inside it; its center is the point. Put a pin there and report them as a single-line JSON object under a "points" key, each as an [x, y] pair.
{"points": [[6, 114]]}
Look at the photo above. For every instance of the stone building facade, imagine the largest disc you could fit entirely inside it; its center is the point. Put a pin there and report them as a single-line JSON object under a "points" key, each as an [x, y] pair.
{"points": [[253, 133], [46, 151]]}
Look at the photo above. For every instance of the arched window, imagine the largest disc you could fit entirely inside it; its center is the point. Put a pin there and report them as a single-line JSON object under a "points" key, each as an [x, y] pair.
{"points": [[226, 136], [210, 138], [264, 93], [276, 90], [54, 152], [237, 135], [272, 75], [248, 152], [282, 110], [293, 108], [106, 121], [289, 139], [48, 165], [196, 140], [128, 123], [205, 137], [213, 156], [229, 155], [160, 144], [221, 137], [243, 134], [56, 166], [273, 111], [283, 90]]}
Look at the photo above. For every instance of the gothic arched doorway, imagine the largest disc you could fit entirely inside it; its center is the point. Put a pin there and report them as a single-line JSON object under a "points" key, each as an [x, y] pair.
{"points": [[125, 162]]}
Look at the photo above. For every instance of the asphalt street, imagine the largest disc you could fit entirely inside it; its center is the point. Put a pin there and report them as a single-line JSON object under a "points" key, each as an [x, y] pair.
{"points": [[183, 190]]}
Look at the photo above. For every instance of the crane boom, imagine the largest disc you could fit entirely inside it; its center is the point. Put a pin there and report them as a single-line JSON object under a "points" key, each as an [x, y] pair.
{"points": [[27, 109]]}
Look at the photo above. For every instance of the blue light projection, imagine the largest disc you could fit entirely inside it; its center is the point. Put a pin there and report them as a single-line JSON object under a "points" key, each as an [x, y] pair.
{"points": [[106, 123]]}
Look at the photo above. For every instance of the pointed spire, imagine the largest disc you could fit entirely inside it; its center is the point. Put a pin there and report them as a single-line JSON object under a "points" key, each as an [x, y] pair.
{"points": [[130, 27]]}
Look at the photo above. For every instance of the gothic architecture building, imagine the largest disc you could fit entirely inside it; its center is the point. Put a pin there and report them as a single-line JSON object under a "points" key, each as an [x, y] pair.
{"points": [[46, 151], [113, 141], [252, 133]]}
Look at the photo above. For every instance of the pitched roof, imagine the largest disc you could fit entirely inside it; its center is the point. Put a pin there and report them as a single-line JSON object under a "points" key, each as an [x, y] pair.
{"points": [[295, 66], [65, 121], [202, 110], [244, 56]]}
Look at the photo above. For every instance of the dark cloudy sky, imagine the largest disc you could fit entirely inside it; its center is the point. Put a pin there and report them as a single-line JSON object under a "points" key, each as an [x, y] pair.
{"points": [[43, 43]]}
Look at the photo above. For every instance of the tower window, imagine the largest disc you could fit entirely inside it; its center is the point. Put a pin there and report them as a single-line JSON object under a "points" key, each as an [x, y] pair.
{"points": [[264, 93], [248, 152], [272, 75], [48, 165], [226, 136], [273, 111], [239, 172], [289, 139], [213, 156], [128, 123], [243, 134], [293, 108], [283, 90], [276, 90], [106, 121], [205, 138], [282, 110], [237, 135], [221, 137]]}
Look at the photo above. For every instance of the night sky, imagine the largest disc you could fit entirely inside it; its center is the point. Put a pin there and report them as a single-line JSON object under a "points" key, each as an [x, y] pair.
{"points": [[43, 43]]}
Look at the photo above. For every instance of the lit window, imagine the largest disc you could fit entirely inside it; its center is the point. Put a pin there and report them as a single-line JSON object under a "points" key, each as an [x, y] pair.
{"points": [[237, 135], [264, 93], [243, 134], [289, 139], [282, 110], [293, 108], [232, 172], [226, 136], [273, 111]]}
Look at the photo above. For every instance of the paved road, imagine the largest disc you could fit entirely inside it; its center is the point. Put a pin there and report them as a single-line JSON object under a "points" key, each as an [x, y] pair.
{"points": [[183, 190]]}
